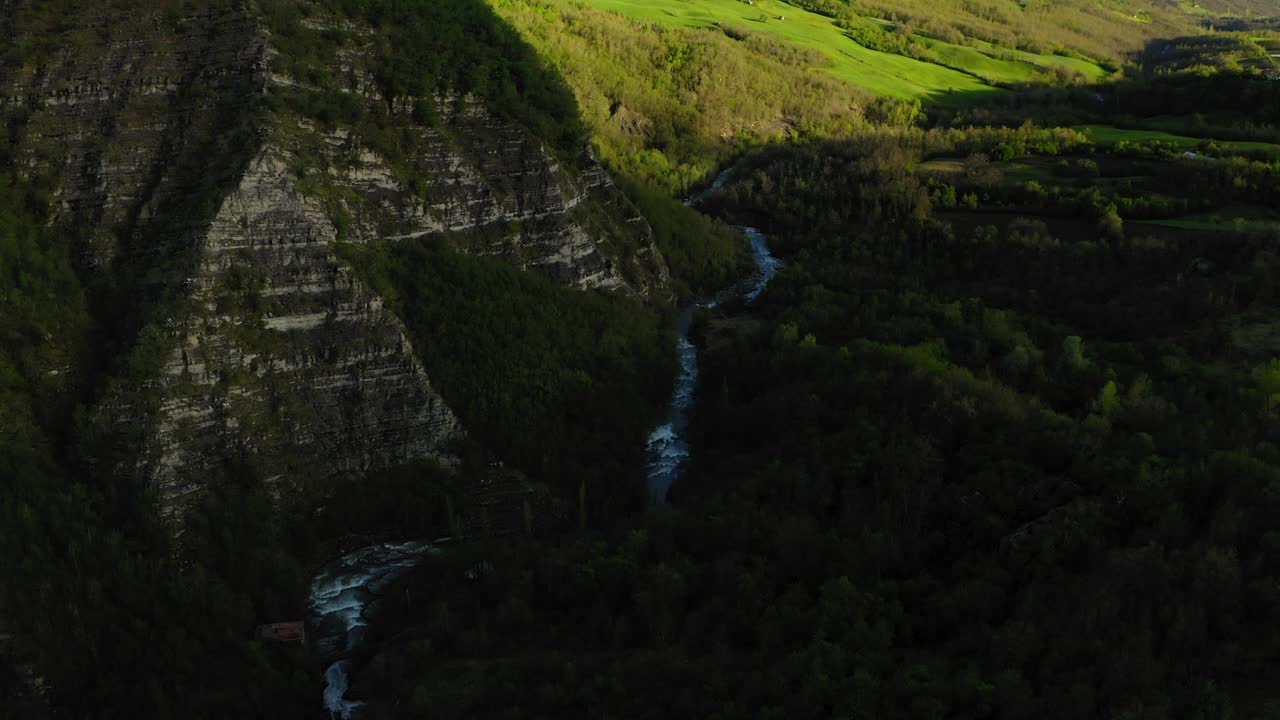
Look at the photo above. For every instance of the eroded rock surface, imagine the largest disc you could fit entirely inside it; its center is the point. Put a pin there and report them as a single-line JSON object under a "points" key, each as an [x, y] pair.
{"points": [[214, 217]]}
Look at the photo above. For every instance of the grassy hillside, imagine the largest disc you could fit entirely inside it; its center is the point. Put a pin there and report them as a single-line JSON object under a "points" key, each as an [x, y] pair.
{"points": [[908, 64], [1004, 65], [667, 104], [879, 72], [927, 50], [671, 89]]}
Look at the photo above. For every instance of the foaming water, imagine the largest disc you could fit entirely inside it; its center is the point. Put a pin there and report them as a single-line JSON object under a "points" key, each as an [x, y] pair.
{"points": [[767, 264], [340, 597], [667, 445], [335, 691]]}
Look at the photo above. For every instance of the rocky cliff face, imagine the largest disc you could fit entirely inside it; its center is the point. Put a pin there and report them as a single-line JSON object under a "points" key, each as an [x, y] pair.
{"points": [[288, 359], [136, 115], [212, 215]]}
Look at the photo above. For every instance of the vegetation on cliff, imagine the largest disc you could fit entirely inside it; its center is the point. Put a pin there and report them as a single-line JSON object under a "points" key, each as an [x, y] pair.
{"points": [[565, 384], [114, 615], [421, 50]]}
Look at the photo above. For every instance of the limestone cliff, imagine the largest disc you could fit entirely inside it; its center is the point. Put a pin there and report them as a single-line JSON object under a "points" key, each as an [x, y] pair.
{"points": [[210, 209]]}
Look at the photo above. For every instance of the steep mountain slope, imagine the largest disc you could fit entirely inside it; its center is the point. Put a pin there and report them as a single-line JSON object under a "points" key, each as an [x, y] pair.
{"points": [[204, 193], [185, 348]]}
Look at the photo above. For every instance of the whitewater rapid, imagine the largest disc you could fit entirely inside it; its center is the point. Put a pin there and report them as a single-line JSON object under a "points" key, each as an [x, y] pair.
{"points": [[668, 448], [341, 595]]}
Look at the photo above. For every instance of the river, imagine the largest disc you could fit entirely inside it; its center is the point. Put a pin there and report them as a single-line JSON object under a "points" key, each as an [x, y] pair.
{"points": [[668, 446], [342, 595]]}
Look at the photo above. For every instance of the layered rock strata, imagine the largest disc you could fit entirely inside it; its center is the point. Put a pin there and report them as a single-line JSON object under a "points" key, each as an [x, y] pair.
{"points": [[216, 216]]}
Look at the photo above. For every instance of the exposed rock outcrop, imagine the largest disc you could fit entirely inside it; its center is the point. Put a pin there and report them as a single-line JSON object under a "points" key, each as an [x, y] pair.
{"points": [[289, 359], [214, 217]]}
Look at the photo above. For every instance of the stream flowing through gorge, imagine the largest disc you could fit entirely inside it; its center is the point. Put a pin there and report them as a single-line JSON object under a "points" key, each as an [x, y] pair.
{"points": [[668, 446], [345, 590], [341, 596]]}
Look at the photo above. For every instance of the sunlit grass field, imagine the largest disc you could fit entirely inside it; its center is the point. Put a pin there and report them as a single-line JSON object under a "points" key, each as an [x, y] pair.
{"points": [[966, 69]]}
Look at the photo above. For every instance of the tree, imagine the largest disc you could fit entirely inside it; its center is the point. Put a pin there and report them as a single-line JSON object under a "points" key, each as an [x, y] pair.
{"points": [[1266, 380], [1073, 353], [1110, 224], [979, 170], [1108, 401]]}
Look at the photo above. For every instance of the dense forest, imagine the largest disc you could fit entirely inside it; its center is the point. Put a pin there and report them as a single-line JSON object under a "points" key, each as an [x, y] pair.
{"points": [[1007, 456], [1000, 441]]}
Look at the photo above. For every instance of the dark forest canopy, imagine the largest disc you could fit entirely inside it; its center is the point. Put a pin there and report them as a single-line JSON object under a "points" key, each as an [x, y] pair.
{"points": [[1006, 457]]}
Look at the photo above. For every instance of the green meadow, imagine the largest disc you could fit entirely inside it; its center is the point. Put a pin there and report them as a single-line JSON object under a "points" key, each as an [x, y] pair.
{"points": [[883, 73], [1002, 65]]}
